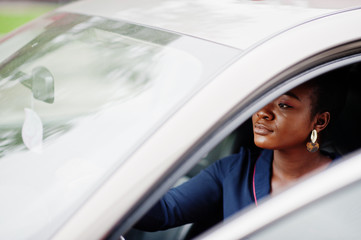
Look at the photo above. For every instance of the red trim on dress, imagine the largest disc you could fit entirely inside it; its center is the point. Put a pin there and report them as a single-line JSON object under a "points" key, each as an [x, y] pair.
{"points": [[254, 186]]}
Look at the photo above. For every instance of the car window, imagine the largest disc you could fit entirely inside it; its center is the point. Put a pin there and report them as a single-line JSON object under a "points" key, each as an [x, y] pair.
{"points": [[340, 140], [77, 95]]}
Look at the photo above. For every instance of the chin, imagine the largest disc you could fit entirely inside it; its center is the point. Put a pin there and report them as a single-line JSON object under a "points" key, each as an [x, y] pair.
{"points": [[261, 142], [264, 146]]}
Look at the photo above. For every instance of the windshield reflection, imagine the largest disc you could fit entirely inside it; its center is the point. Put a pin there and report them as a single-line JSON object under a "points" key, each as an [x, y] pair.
{"points": [[82, 95]]}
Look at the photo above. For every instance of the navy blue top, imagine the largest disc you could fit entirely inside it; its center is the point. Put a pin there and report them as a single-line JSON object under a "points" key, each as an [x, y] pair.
{"points": [[220, 190]]}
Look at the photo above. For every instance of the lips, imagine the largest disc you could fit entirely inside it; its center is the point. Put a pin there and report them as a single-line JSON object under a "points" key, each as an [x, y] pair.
{"points": [[261, 129]]}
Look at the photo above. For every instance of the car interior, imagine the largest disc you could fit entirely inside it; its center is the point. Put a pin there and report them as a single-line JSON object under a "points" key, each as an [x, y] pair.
{"points": [[344, 138]]}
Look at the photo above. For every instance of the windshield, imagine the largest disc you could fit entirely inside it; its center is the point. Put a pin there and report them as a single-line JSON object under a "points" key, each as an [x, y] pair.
{"points": [[78, 94]]}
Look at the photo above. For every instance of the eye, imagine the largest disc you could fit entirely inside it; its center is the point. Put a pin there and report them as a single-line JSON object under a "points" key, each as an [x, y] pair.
{"points": [[284, 106]]}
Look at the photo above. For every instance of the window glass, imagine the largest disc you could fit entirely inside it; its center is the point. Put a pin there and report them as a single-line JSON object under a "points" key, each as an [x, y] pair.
{"points": [[77, 95]]}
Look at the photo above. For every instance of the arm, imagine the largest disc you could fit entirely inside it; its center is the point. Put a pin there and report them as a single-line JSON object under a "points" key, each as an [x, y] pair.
{"points": [[197, 199]]}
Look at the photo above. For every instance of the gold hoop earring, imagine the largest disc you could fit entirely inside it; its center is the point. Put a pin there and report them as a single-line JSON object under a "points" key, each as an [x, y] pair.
{"points": [[313, 146]]}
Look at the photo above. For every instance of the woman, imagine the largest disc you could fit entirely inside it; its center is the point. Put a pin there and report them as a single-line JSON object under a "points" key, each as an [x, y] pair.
{"points": [[282, 129]]}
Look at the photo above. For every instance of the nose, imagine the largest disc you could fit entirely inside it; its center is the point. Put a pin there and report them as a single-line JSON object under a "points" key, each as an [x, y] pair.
{"points": [[265, 113]]}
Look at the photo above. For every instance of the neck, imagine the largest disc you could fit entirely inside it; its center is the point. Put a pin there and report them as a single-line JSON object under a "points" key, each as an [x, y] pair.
{"points": [[290, 165]]}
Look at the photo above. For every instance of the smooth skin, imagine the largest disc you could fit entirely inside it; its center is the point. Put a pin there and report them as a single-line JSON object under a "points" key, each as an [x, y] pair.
{"points": [[285, 125]]}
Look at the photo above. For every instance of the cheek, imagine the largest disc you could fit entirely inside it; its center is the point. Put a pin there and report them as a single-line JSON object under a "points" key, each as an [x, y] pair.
{"points": [[295, 131], [286, 134]]}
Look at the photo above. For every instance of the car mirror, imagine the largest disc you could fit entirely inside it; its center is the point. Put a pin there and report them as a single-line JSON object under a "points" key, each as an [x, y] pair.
{"points": [[40, 82]]}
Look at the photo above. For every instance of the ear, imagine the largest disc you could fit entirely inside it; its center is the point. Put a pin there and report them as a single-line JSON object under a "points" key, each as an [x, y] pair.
{"points": [[322, 120]]}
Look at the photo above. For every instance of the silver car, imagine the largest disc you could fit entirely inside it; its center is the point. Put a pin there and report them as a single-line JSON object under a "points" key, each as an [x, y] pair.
{"points": [[106, 104]]}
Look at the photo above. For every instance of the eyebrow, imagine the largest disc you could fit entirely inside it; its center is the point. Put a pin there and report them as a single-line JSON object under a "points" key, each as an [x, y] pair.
{"points": [[291, 94]]}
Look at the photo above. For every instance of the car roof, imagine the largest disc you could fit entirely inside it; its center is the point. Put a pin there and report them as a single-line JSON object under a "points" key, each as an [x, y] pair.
{"points": [[235, 23]]}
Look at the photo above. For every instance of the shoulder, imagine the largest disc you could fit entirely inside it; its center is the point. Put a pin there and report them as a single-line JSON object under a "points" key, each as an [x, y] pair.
{"points": [[242, 161]]}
